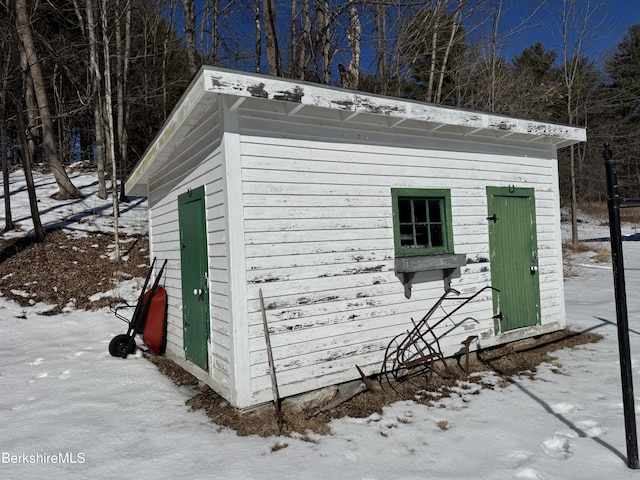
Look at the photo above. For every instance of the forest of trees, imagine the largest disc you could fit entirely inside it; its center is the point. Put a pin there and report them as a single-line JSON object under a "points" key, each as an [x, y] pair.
{"points": [[93, 80]]}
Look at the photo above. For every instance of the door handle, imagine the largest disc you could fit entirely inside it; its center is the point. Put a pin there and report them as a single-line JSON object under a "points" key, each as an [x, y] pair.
{"points": [[198, 292], [534, 269]]}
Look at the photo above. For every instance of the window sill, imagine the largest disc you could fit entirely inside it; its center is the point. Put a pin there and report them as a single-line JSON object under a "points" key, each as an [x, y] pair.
{"points": [[424, 263], [409, 266]]}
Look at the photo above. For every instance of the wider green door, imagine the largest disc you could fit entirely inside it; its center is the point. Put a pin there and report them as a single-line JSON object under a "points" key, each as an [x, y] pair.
{"points": [[513, 249], [194, 268]]}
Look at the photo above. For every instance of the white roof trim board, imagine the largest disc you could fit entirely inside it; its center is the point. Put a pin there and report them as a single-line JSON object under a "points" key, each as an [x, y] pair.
{"points": [[306, 98]]}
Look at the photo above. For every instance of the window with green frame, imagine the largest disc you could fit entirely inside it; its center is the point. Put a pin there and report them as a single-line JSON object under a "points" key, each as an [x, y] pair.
{"points": [[421, 221]]}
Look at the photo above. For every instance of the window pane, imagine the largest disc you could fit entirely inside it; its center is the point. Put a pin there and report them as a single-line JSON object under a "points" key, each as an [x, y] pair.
{"points": [[420, 210], [421, 221], [406, 235], [437, 239], [404, 210], [434, 211], [422, 236]]}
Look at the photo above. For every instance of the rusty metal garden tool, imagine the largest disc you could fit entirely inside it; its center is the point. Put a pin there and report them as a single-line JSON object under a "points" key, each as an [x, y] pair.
{"points": [[414, 352], [467, 342]]}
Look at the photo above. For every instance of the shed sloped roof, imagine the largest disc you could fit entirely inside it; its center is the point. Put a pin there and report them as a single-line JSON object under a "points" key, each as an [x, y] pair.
{"points": [[309, 99]]}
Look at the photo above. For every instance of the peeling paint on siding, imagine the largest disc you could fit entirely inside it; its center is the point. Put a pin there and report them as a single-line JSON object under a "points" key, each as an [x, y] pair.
{"points": [[258, 91], [486, 334], [355, 271], [266, 279], [477, 259], [503, 126], [294, 95]]}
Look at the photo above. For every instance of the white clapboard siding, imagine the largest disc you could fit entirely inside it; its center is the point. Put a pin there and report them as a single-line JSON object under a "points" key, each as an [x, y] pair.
{"points": [[298, 181], [198, 163], [319, 242]]}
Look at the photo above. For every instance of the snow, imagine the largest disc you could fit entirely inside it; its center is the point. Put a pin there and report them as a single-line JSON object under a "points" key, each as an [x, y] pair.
{"points": [[69, 410]]}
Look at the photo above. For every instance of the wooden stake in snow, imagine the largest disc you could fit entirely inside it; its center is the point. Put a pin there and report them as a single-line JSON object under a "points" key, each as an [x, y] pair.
{"points": [[272, 369]]}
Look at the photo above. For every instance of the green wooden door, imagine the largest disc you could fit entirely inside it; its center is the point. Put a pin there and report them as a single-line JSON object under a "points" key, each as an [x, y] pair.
{"points": [[194, 268], [513, 250]]}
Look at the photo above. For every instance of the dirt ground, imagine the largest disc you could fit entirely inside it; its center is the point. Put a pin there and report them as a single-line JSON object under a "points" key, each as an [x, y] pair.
{"points": [[521, 359], [67, 271]]}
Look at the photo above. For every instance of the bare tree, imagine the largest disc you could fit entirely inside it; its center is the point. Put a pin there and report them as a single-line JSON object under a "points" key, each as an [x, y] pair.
{"points": [[189, 13], [166, 51], [211, 21], [455, 26], [27, 144], [577, 19], [350, 76], [435, 31], [108, 122], [26, 154], [322, 39], [274, 61], [382, 48], [300, 39], [258, 35], [95, 74], [6, 72], [23, 26], [123, 53], [294, 48]]}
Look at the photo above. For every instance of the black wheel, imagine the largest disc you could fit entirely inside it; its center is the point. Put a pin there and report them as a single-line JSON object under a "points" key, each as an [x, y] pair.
{"points": [[122, 345]]}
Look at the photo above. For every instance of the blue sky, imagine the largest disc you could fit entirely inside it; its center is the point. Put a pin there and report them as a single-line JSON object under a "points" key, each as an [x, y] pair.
{"points": [[610, 23]]}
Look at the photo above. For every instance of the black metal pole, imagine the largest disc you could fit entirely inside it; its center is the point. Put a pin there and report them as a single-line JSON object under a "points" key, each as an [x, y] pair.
{"points": [[621, 309]]}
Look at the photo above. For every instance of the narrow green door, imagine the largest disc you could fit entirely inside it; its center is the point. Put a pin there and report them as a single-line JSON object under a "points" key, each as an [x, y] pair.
{"points": [[513, 248], [194, 268]]}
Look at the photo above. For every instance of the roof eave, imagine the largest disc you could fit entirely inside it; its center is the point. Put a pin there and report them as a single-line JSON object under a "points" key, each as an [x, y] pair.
{"points": [[240, 84], [213, 81]]}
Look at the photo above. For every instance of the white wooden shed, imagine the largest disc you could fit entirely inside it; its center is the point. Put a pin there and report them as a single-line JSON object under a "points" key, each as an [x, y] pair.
{"points": [[353, 213]]}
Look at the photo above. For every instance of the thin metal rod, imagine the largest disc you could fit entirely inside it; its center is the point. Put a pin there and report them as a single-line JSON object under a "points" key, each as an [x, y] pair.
{"points": [[621, 309]]}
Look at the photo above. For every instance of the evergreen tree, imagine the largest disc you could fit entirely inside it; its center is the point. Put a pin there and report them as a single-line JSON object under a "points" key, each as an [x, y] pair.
{"points": [[536, 60], [624, 71], [622, 109]]}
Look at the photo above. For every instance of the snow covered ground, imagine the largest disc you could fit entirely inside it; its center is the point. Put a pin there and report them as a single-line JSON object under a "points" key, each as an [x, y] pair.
{"points": [[68, 410]]}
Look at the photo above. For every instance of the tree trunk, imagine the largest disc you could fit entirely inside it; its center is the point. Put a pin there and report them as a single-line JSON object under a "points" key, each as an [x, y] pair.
{"points": [[27, 145], [66, 189], [215, 13], [434, 50], [26, 152], [96, 96], [351, 77], [450, 44], [573, 40], [165, 56], [304, 54], [108, 104], [574, 196], [323, 40], [258, 36], [294, 46], [8, 220], [271, 38], [381, 54], [188, 9], [122, 76], [494, 57]]}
